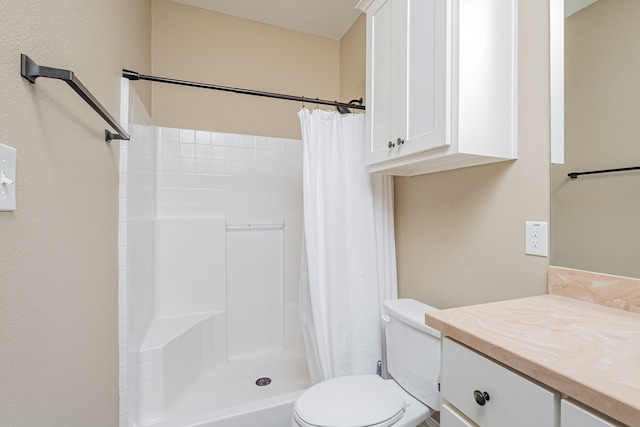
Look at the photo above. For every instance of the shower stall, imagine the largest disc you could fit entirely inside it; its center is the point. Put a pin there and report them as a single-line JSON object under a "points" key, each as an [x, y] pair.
{"points": [[210, 244]]}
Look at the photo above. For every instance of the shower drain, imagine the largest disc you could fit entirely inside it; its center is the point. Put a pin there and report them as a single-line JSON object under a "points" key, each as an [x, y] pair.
{"points": [[263, 381]]}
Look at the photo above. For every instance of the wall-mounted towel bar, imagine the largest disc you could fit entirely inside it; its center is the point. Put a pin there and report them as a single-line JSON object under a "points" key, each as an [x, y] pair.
{"points": [[574, 175], [31, 71], [255, 227]]}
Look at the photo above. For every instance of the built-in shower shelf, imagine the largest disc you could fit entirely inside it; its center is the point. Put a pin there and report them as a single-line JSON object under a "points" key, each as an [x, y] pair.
{"points": [[175, 352], [165, 329]]}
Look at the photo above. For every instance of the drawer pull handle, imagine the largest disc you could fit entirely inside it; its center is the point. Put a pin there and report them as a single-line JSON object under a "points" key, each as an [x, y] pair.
{"points": [[481, 397]]}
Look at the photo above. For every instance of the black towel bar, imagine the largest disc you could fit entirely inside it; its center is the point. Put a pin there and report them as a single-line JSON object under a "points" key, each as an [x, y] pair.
{"points": [[31, 71], [574, 175]]}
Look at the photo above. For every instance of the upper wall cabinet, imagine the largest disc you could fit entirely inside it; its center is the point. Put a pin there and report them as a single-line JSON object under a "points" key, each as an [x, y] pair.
{"points": [[441, 84]]}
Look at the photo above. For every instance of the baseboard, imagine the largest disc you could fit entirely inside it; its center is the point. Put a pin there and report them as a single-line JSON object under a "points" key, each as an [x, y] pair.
{"points": [[430, 422]]}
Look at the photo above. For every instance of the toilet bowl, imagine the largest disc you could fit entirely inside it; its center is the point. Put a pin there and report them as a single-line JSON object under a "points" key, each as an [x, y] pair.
{"points": [[406, 400], [360, 400]]}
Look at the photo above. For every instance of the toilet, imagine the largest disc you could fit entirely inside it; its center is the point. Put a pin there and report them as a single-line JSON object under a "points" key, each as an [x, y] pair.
{"points": [[406, 400]]}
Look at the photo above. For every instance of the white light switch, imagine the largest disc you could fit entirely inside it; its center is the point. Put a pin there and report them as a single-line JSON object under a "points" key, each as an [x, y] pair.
{"points": [[536, 241], [7, 178]]}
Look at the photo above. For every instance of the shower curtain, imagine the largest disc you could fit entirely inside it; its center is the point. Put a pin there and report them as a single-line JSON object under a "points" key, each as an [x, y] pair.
{"points": [[350, 249]]}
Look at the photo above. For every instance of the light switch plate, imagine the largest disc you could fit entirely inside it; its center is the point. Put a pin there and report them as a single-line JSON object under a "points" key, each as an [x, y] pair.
{"points": [[536, 240], [7, 178]]}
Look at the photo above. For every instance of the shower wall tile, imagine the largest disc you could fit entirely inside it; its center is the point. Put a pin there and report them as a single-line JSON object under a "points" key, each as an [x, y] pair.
{"points": [[203, 137], [187, 135], [189, 265], [293, 339], [255, 290], [135, 241], [177, 188], [250, 174]]}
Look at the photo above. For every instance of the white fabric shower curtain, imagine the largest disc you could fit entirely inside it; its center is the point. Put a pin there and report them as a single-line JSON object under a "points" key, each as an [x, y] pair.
{"points": [[350, 247]]}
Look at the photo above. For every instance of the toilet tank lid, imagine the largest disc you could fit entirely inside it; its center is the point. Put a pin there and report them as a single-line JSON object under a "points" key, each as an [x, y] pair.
{"points": [[411, 312]]}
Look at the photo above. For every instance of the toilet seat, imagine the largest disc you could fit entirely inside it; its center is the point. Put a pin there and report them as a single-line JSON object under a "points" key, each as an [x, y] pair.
{"points": [[351, 401]]}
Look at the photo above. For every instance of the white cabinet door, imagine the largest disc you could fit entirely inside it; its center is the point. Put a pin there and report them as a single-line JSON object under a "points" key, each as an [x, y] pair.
{"points": [[572, 414], [407, 77], [426, 104], [450, 417], [382, 89], [441, 84], [492, 395]]}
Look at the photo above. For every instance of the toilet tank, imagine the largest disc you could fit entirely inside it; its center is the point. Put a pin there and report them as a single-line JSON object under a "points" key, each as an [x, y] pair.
{"points": [[413, 349]]}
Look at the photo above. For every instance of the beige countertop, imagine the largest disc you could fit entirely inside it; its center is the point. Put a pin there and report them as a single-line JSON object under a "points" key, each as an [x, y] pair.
{"points": [[586, 351]]}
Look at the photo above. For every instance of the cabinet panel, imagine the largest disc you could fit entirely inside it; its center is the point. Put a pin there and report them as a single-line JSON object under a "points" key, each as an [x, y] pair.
{"points": [[426, 76], [487, 78], [380, 92], [407, 86], [510, 399], [572, 414], [450, 417]]}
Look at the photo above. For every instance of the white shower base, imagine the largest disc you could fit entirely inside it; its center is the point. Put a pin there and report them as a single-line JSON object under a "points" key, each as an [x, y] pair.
{"points": [[227, 395]]}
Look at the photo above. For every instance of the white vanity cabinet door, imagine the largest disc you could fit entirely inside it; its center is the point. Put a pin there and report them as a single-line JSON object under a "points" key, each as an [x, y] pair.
{"points": [[407, 78], [572, 414], [504, 398], [450, 417]]}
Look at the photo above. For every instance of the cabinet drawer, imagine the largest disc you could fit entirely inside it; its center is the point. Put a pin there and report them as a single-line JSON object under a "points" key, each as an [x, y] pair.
{"points": [[505, 398], [449, 417], [572, 414]]}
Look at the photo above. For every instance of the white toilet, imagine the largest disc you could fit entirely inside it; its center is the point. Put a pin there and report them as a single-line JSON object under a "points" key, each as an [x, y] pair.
{"points": [[413, 359]]}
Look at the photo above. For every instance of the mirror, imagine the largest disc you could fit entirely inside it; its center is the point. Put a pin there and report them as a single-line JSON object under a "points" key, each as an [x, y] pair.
{"points": [[595, 219]]}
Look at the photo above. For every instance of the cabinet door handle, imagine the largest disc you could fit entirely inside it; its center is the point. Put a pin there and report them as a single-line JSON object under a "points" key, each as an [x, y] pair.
{"points": [[391, 144], [400, 141], [481, 397]]}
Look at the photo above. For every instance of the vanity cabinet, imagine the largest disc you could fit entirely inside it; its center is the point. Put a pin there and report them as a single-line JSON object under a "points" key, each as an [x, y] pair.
{"points": [[573, 414], [478, 391], [450, 417], [441, 84]]}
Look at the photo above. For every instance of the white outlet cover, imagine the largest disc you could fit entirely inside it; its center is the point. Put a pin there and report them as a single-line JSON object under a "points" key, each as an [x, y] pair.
{"points": [[7, 178], [536, 238]]}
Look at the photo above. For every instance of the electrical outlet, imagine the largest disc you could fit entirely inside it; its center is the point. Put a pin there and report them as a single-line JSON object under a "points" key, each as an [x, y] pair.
{"points": [[536, 240]]}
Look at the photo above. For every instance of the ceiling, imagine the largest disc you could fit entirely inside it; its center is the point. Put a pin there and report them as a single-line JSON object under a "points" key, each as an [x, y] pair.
{"points": [[573, 6], [324, 18]]}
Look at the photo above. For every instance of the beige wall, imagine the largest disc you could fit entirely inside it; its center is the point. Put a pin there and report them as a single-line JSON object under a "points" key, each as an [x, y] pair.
{"points": [[596, 217], [353, 62], [460, 234], [198, 45], [59, 249]]}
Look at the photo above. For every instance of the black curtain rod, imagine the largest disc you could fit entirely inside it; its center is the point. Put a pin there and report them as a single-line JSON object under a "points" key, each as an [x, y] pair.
{"points": [[342, 107], [574, 175]]}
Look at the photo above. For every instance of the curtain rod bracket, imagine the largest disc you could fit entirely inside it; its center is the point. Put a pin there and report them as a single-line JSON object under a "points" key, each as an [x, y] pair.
{"points": [[131, 75], [31, 71]]}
